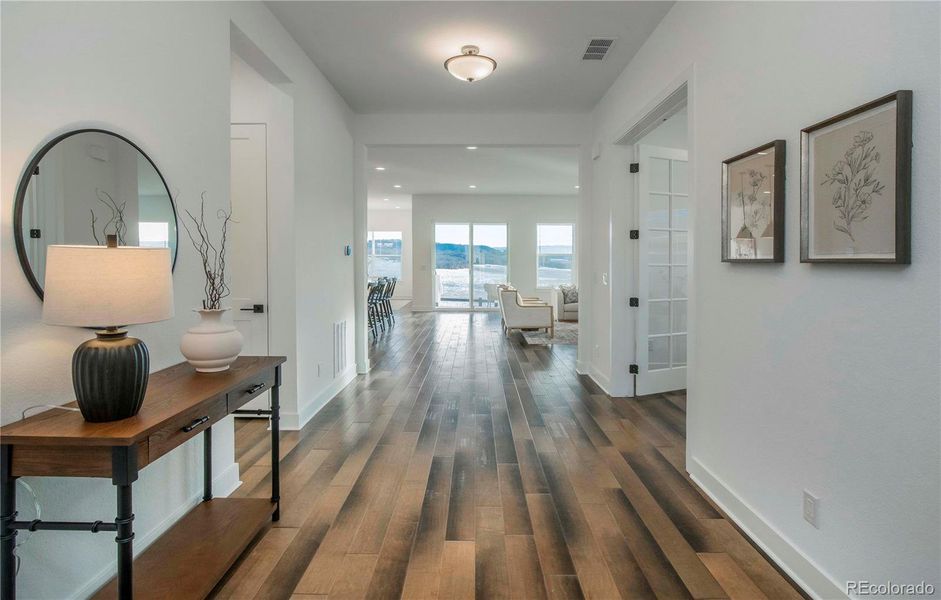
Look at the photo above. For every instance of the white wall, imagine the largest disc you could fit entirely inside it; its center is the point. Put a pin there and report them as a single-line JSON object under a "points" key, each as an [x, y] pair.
{"points": [[816, 377], [520, 213], [159, 74], [397, 220]]}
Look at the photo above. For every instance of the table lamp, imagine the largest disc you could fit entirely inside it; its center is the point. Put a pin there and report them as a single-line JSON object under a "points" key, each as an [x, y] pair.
{"points": [[108, 288]]}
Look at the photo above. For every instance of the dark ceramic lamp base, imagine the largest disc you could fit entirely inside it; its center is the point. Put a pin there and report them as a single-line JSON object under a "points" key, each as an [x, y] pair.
{"points": [[109, 374]]}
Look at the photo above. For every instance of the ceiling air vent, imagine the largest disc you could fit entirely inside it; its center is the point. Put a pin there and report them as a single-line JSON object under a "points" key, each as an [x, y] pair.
{"points": [[598, 48]]}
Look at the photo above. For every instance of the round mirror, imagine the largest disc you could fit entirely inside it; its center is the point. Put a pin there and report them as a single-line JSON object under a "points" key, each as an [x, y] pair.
{"points": [[82, 187]]}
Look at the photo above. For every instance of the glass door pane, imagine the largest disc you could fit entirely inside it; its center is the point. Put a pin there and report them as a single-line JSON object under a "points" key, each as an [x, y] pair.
{"points": [[452, 265], [490, 262]]}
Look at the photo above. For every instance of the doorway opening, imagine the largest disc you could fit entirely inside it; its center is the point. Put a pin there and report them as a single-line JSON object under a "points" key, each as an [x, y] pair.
{"points": [[261, 193], [450, 225], [662, 202]]}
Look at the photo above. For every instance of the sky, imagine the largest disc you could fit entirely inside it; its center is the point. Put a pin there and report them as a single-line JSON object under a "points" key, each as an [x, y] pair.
{"points": [[495, 235]]}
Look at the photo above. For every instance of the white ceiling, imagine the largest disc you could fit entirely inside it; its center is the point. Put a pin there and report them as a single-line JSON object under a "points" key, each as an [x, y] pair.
{"points": [[451, 169], [389, 56]]}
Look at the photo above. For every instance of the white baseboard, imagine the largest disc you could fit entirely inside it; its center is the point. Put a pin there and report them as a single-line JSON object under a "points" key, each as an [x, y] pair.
{"points": [[600, 378], [294, 421], [800, 568], [223, 484], [582, 368]]}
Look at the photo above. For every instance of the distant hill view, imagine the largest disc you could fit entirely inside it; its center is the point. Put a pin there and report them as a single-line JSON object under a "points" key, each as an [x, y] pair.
{"points": [[454, 256]]}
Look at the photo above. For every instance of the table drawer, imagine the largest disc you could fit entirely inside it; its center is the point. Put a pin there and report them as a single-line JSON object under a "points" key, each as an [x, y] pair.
{"points": [[186, 426], [257, 385]]}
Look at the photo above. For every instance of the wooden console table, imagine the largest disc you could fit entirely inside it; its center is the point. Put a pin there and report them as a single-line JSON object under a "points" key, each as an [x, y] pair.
{"points": [[193, 555]]}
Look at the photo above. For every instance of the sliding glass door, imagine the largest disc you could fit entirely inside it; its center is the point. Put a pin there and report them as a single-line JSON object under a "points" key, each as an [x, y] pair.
{"points": [[471, 259], [452, 265]]}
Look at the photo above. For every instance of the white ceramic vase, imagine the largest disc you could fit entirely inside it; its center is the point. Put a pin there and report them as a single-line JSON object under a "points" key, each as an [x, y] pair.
{"points": [[211, 345]]}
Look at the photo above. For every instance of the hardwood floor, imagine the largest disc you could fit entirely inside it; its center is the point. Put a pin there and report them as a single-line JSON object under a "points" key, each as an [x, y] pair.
{"points": [[467, 464]]}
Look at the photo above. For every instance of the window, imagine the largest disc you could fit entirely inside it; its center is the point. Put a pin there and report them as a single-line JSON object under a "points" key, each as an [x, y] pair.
{"points": [[153, 235], [555, 245], [384, 249]]}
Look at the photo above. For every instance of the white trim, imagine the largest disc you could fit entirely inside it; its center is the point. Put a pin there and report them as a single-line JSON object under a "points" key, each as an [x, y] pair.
{"points": [[781, 550], [599, 378], [295, 421], [227, 480]]}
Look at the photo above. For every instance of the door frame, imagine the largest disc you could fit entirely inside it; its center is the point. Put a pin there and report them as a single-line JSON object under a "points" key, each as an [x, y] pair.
{"points": [[670, 99], [470, 263]]}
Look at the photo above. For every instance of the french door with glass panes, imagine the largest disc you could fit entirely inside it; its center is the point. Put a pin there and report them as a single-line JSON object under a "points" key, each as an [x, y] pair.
{"points": [[470, 260], [662, 260]]}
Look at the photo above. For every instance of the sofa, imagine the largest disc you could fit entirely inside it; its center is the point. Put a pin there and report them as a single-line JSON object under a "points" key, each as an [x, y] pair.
{"points": [[566, 302]]}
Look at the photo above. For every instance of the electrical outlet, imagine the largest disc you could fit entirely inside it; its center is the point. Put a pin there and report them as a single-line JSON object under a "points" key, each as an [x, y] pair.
{"points": [[811, 508]]}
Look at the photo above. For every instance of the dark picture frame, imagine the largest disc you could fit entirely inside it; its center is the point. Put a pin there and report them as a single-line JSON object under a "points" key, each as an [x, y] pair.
{"points": [[751, 198], [853, 185]]}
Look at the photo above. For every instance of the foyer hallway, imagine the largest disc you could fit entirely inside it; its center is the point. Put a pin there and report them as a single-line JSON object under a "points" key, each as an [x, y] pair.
{"points": [[467, 464]]}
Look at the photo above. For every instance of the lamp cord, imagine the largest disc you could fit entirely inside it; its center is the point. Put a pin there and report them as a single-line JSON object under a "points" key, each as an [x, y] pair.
{"points": [[29, 408]]}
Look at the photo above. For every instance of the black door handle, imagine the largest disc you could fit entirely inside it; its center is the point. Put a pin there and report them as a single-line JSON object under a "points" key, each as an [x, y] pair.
{"points": [[256, 308], [255, 388], [196, 423]]}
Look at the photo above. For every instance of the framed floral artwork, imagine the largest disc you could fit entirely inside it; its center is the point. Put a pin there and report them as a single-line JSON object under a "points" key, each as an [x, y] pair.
{"points": [[856, 183], [753, 205]]}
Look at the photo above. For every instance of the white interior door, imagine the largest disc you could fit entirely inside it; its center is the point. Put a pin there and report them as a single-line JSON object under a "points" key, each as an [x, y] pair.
{"points": [[662, 260], [248, 258]]}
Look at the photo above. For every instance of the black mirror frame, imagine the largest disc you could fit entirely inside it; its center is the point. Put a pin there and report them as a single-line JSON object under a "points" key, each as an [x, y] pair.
{"points": [[24, 184]]}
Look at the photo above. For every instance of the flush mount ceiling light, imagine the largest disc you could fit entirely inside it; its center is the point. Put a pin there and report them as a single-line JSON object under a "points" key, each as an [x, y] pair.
{"points": [[397, 186], [380, 168], [470, 65], [472, 186], [471, 147]]}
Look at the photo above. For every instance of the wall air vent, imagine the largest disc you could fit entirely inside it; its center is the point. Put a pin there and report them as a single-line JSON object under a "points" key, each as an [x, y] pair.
{"points": [[598, 48]]}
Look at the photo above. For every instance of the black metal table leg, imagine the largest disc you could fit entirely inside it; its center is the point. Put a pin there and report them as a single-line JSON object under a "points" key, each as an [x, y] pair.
{"points": [[123, 474], [275, 444], [7, 533], [207, 464]]}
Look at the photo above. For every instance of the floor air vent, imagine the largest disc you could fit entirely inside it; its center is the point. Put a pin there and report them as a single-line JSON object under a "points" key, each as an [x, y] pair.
{"points": [[598, 48]]}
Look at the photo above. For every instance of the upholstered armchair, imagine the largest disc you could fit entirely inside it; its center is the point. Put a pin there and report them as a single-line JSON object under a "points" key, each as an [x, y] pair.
{"points": [[566, 302], [519, 313]]}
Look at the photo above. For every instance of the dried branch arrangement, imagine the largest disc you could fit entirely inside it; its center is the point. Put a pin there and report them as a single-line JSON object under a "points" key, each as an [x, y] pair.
{"points": [[115, 225], [213, 257]]}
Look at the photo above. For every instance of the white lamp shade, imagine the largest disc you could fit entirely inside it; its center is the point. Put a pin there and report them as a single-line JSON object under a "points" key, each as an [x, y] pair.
{"points": [[469, 65], [92, 286]]}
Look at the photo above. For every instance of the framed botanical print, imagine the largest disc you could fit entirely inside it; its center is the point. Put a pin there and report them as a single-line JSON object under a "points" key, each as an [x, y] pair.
{"points": [[856, 184], [753, 205]]}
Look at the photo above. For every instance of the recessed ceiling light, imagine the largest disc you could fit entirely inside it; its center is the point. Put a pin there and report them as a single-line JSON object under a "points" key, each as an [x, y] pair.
{"points": [[473, 187], [470, 65], [762, 154], [397, 186], [380, 168], [385, 199], [471, 147], [398, 207], [577, 187]]}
